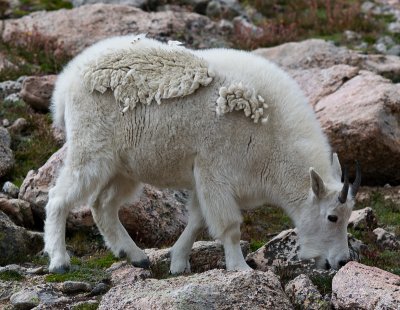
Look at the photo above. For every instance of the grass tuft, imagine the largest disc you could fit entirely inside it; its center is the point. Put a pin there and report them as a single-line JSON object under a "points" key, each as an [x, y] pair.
{"points": [[11, 275]]}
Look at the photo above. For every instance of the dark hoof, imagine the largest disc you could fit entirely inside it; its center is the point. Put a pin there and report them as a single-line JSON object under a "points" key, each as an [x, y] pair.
{"points": [[60, 270], [145, 264], [122, 254]]}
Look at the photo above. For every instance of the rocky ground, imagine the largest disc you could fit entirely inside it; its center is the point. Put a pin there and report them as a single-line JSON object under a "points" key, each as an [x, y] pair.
{"points": [[353, 89]]}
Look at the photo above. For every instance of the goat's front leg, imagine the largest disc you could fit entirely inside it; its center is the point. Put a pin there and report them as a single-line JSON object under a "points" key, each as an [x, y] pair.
{"points": [[222, 215], [180, 252]]}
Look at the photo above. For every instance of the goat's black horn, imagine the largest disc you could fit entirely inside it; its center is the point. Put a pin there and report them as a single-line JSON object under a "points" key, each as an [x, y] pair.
{"points": [[343, 194], [357, 181]]}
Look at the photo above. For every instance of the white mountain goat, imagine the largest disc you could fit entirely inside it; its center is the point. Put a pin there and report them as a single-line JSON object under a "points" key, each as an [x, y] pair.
{"points": [[197, 137]]}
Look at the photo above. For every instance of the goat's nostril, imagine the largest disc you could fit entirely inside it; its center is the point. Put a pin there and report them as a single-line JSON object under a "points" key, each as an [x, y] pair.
{"points": [[343, 262]]}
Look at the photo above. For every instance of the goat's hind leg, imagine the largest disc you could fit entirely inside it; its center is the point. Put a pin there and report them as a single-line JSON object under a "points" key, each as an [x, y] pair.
{"points": [[180, 252], [105, 213], [72, 187]]}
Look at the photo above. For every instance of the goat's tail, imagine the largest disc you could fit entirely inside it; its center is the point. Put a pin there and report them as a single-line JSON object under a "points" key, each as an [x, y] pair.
{"points": [[58, 104]]}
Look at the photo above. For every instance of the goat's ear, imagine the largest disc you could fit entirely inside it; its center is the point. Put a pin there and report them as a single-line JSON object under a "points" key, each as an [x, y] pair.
{"points": [[317, 184], [336, 166]]}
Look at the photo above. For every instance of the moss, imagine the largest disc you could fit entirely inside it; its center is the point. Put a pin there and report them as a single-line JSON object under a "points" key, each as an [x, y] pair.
{"points": [[80, 273], [28, 6], [323, 283], [11, 275], [101, 262], [86, 306], [256, 244]]}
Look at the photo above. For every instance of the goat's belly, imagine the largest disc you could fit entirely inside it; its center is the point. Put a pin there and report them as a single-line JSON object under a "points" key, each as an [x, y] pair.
{"points": [[172, 168]]}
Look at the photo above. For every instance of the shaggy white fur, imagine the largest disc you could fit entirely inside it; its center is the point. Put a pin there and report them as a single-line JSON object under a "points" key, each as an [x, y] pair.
{"points": [[143, 75], [237, 97], [199, 140]]}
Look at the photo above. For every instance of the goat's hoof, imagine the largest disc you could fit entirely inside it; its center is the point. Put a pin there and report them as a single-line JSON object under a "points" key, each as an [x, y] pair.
{"points": [[144, 263], [59, 270]]}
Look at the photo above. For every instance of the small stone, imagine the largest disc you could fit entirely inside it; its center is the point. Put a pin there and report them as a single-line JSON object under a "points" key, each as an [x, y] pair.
{"points": [[304, 295], [386, 239], [13, 98], [25, 299], [10, 189], [99, 289], [72, 287], [6, 122], [363, 219], [394, 27], [38, 270], [18, 126]]}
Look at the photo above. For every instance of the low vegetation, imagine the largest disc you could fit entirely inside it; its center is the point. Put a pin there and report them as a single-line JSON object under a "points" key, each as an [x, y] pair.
{"points": [[34, 145]]}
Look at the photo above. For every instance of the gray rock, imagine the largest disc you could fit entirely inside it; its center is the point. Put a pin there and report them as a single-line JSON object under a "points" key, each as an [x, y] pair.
{"points": [[9, 87], [394, 50], [10, 189], [6, 154], [386, 240], [25, 299], [135, 3], [281, 256], [5, 138], [215, 289], [99, 289], [73, 287], [364, 219], [6, 122], [13, 98], [214, 9], [16, 243], [18, 126], [357, 286], [394, 27], [304, 295]]}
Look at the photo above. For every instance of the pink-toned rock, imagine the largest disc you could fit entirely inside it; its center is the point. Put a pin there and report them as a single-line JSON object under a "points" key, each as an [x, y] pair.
{"points": [[361, 120], [36, 185], [317, 83], [205, 255], [357, 286], [313, 53], [37, 90], [67, 32], [123, 272], [19, 211], [214, 289], [320, 54], [156, 219]]}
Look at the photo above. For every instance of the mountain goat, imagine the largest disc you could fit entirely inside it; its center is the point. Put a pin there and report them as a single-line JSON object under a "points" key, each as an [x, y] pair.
{"points": [[227, 125]]}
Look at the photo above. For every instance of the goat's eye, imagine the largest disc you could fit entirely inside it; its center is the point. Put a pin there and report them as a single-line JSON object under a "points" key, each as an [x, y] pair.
{"points": [[332, 218]]}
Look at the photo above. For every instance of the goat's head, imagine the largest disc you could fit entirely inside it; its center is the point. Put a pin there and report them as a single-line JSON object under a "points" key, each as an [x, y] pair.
{"points": [[322, 227]]}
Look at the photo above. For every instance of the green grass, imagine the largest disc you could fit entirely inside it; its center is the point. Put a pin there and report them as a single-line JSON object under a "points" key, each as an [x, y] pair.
{"points": [[11, 275], [89, 268], [260, 224], [388, 215], [297, 20], [28, 6], [34, 145], [86, 306]]}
